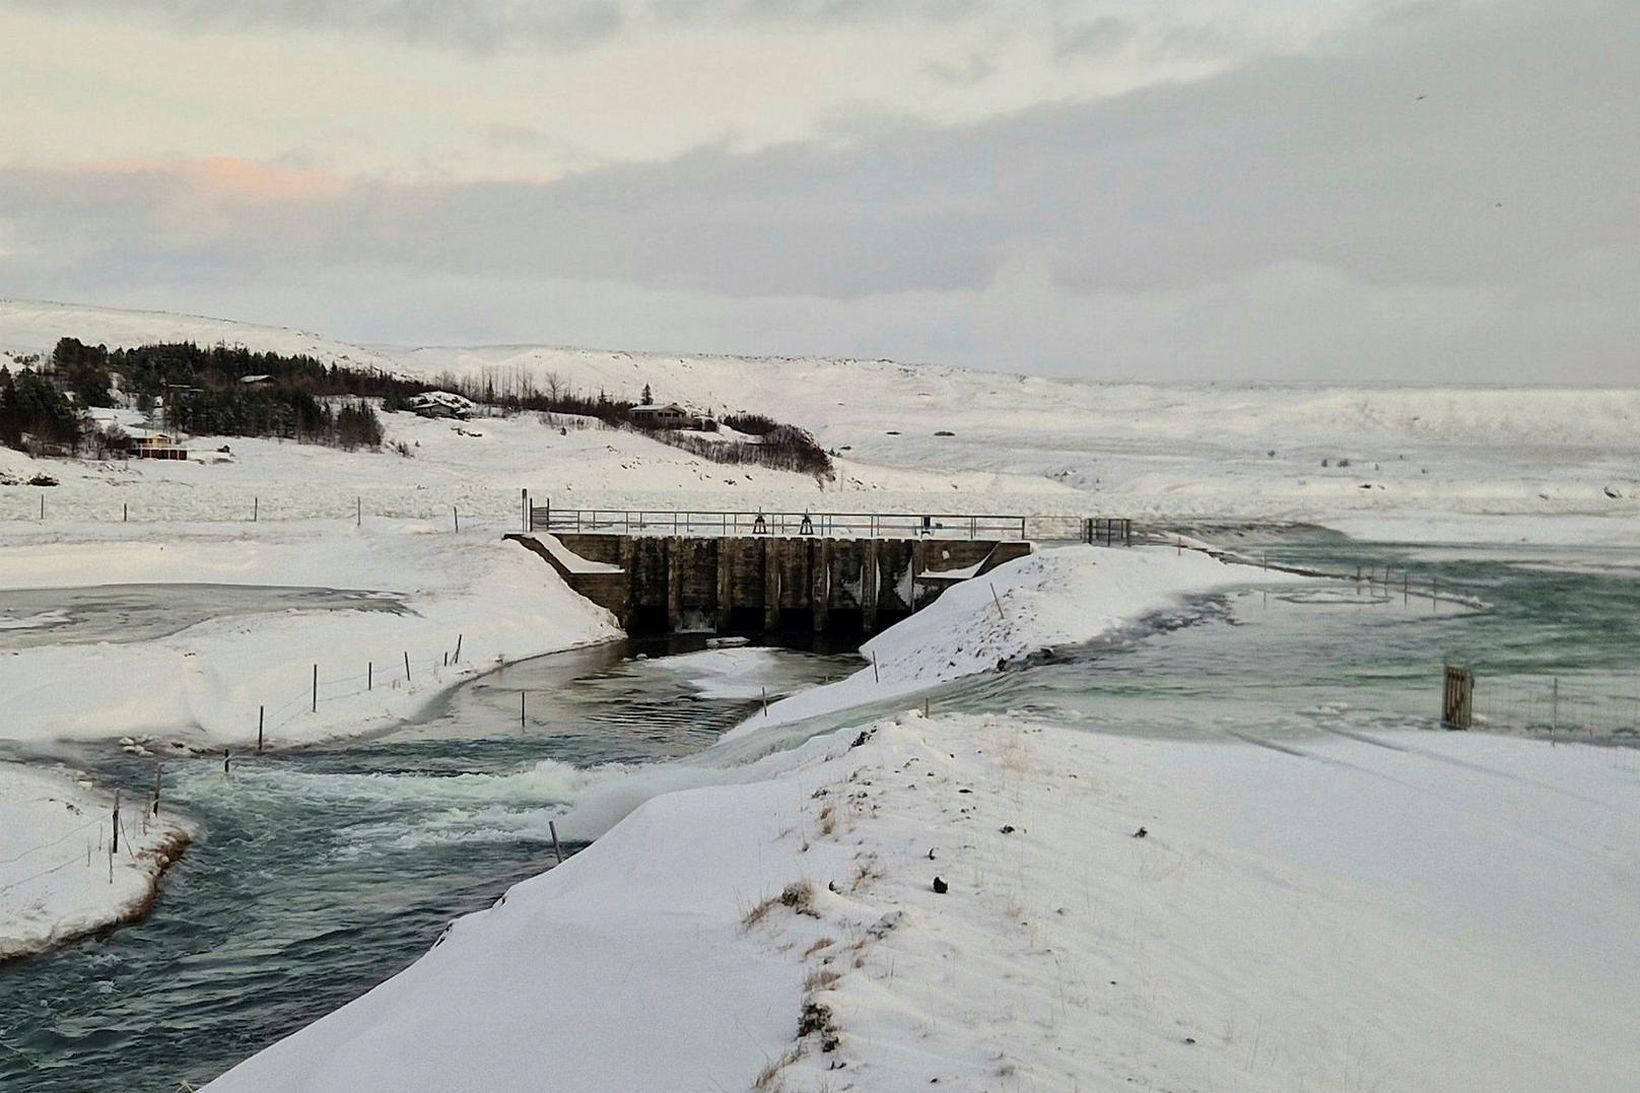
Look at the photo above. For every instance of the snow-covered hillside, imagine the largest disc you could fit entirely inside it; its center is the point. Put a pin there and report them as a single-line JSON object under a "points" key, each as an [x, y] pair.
{"points": [[1292, 452]]}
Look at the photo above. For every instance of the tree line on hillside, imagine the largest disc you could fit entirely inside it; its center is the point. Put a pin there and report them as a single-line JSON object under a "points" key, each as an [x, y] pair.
{"points": [[233, 391], [31, 409]]}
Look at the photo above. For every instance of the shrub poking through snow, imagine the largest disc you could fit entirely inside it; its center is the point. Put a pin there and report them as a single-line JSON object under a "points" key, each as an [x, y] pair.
{"points": [[798, 895]]}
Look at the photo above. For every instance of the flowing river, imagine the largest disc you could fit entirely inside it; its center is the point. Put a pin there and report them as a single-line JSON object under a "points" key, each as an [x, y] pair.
{"points": [[322, 871]]}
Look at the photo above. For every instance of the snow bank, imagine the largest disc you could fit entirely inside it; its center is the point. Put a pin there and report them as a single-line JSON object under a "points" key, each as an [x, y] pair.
{"points": [[58, 876], [1407, 911], [209, 683]]}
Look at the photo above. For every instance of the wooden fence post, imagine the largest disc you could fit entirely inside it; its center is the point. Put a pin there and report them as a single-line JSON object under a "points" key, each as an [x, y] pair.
{"points": [[315, 688], [557, 850], [1457, 702], [116, 848], [260, 712], [407, 666]]}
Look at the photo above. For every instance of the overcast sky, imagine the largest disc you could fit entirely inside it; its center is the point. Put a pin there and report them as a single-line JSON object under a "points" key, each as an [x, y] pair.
{"points": [[1435, 190]]}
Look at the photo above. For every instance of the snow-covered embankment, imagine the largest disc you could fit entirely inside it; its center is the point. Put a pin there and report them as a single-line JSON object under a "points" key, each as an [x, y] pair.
{"points": [[453, 606]]}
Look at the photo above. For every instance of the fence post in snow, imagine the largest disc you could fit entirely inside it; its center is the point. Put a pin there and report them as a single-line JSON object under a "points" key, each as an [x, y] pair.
{"points": [[125, 512], [115, 848], [557, 850], [261, 711], [521, 722], [157, 772], [1457, 702], [457, 657], [370, 675], [256, 504], [407, 666], [456, 516], [315, 688], [358, 512]]}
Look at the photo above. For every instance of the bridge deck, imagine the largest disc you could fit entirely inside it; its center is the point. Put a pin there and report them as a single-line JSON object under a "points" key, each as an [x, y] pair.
{"points": [[1109, 531]]}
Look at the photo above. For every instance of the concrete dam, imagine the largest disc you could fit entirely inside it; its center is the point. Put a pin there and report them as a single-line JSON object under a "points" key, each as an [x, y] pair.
{"points": [[656, 583]]}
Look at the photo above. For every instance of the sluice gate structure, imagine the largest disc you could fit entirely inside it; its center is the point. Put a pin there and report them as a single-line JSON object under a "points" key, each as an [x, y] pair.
{"points": [[660, 572]]}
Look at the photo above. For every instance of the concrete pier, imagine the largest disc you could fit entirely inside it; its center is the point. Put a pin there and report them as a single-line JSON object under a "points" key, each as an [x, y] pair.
{"points": [[654, 583]]}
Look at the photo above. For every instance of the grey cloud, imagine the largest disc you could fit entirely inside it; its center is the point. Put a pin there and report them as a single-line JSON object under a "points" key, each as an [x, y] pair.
{"points": [[1507, 190], [487, 26], [475, 25], [1521, 150], [1096, 38], [976, 69]]}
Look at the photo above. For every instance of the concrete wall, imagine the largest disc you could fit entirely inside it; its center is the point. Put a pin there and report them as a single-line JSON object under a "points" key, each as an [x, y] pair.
{"points": [[687, 583]]}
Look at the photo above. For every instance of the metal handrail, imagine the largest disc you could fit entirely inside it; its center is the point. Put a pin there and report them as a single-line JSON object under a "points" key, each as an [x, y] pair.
{"points": [[752, 522], [1105, 531]]}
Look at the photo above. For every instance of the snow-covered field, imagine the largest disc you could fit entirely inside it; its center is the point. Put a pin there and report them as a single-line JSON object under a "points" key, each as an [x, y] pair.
{"points": [[59, 876], [205, 685]]}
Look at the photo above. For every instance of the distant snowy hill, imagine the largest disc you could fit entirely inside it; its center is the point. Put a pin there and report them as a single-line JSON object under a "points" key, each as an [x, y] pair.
{"points": [[1204, 449]]}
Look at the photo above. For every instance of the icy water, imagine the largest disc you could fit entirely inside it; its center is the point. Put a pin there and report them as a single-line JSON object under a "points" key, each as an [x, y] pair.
{"points": [[1358, 655], [142, 612], [322, 872]]}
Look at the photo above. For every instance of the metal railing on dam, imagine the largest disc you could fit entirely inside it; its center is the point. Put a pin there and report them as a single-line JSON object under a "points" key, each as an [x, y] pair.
{"points": [[693, 523]]}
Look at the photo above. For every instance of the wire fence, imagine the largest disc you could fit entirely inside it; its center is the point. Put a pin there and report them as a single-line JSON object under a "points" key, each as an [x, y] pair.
{"points": [[470, 508], [1377, 582], [1590, 707], [116, 841], [387, 671]]}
